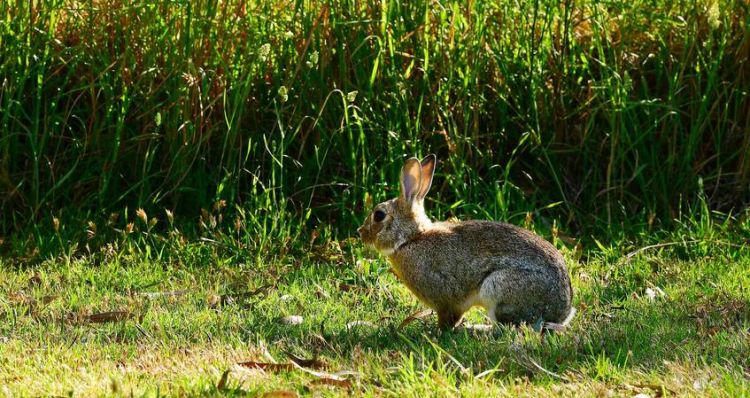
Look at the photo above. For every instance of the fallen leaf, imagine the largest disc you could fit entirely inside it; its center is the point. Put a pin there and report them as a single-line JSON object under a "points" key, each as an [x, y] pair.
{"points": [[331, 382], [291, 320], [213, 300], [420, 315], [280, 394], [112, 316], [21, 298]]}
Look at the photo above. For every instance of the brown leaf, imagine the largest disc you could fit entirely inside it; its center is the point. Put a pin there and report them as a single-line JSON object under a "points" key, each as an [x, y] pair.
{"points": [[222, 384], [659, 390], [306, 363], [419, 315], [331, 382], [280, 394], [49, 298], [213, 300], [21, 298], [112, 316], [271, 367]]}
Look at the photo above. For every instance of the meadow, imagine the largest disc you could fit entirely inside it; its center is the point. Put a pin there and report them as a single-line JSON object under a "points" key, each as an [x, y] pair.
{"points": [[181, 181]]}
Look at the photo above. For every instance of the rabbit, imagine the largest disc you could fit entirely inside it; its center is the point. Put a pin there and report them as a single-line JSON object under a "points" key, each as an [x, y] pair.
{"points": [[517, 276]]}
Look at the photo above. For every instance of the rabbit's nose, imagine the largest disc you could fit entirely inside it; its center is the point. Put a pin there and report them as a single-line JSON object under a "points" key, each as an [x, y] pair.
{"points": [[360, 229]]}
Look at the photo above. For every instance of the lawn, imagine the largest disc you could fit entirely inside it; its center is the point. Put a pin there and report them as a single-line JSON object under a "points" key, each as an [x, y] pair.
{"points": [[203, 319]]}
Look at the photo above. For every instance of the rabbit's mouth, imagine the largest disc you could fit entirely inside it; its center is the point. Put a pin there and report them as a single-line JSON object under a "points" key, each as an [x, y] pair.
{"points": [[367, 236]]}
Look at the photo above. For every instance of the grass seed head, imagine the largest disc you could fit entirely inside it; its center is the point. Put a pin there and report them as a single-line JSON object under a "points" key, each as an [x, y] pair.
{"points": [[142, 215]]}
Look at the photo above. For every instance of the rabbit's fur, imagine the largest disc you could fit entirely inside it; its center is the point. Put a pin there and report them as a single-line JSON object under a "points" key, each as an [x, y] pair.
{"points": [[451, 266]]}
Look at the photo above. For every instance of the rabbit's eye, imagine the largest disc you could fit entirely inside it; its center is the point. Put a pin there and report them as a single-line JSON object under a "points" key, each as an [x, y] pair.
{"points": [[378, 216]]}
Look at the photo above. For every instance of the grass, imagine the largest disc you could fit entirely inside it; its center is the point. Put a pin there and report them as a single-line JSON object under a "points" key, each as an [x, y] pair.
{"points": [[668, 321]]}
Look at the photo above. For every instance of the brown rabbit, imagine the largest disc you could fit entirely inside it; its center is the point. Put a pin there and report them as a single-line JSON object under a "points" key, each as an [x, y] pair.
{"points": [[452, 266]]}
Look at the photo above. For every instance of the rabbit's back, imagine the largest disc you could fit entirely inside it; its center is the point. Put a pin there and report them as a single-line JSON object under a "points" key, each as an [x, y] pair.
{"points": [[448, 263]]}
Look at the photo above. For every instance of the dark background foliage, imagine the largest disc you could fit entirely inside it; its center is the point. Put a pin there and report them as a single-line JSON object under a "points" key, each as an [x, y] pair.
{"points": [[591, 113]]}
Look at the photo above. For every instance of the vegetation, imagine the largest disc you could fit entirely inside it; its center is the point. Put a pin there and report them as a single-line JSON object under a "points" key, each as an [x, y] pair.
{"points": [[609, 110], [180, 182]]}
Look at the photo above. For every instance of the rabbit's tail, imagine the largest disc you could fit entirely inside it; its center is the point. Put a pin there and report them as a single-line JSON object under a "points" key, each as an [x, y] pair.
{"points": [[570, 316]]}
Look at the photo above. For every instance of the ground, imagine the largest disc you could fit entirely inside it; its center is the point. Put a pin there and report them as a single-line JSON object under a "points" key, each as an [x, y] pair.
{"points": [[672, 320]]}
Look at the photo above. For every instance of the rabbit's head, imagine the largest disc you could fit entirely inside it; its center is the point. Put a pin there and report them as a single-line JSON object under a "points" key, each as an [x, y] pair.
{"points": [[394, 222]]}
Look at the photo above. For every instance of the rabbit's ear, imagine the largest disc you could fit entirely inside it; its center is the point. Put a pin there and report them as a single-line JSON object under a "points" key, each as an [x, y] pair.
{"points": [[428, 171], [411, 178]]}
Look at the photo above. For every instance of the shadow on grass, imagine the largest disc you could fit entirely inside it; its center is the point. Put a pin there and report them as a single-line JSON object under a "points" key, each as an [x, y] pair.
{"points": [[613, 332]]}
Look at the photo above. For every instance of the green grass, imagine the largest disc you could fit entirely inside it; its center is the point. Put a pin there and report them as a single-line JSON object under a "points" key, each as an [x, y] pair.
{"points": [[692, 337]]}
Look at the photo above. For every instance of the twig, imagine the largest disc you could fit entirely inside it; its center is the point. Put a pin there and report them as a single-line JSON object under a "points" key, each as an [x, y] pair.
{"points": [[144, 332]]}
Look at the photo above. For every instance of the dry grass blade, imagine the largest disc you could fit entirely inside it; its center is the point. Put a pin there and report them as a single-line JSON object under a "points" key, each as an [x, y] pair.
{"points": [[112, 316], [417, 316], [313, 363], [353, 324], [634, 253], [488, 372], [174, 293], [523, 359], [222, 384], [331, 382], [339, 376]]}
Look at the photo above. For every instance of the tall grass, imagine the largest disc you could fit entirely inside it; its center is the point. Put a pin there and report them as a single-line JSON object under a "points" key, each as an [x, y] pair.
{"points": [[595, 113]]}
